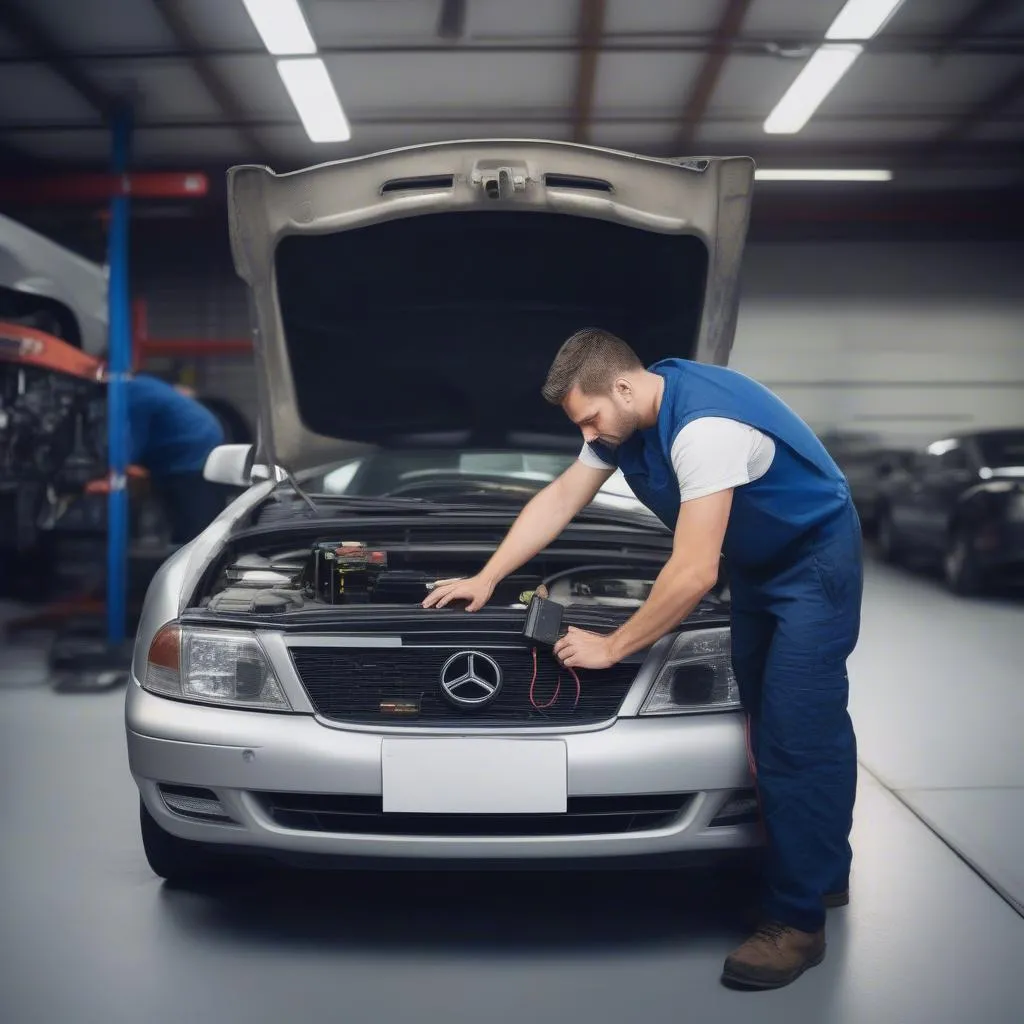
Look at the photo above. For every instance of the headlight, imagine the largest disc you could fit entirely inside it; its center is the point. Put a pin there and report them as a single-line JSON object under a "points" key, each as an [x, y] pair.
{"points": [[213, 667], [697, 676]]}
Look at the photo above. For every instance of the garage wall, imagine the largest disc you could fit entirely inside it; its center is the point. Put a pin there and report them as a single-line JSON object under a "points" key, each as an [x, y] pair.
{"points": [[192, 292], [905, 340]]}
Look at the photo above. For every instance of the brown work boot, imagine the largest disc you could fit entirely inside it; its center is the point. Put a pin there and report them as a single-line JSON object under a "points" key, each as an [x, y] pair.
{"points": [[773, 956]]}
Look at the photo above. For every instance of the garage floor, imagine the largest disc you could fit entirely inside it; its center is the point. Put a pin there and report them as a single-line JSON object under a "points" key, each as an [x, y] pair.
{"points": [[934, 933]]}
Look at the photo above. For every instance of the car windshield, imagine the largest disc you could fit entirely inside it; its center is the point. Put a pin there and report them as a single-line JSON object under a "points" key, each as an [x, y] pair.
{"points": [[448, 475], [1003, 450], [432, 473]]}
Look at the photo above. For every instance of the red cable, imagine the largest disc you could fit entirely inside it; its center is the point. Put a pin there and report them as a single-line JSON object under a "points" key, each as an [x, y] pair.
{"points": [[751, 762], [533, 682], [572, 672], [558, 686]]}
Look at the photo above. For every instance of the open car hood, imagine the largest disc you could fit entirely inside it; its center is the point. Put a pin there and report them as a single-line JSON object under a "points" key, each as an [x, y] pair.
{"points": [[417, 297]]}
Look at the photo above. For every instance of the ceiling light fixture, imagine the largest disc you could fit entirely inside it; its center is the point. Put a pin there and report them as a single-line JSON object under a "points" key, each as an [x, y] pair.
{"points": [[862, 19], [772, 174], [281, 26], [858, 20], [817, 79], [310, 89]]}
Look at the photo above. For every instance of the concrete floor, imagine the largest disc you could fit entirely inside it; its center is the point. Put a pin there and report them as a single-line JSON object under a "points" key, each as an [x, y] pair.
{"points": [[87, 934]]}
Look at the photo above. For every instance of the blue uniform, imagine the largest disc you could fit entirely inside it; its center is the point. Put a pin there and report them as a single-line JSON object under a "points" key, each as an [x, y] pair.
{"points": [[793, 554], [168, 432]]}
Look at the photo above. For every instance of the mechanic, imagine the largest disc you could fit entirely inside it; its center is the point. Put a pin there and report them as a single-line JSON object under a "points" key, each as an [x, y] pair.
{"points": [[726, 465], [170, 435]]}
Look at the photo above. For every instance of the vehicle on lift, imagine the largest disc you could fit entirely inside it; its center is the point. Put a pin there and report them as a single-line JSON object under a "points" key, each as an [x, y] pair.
{"points": [[290, 697], [53, 341], [52, 289], [961, 502], [49, 288]]}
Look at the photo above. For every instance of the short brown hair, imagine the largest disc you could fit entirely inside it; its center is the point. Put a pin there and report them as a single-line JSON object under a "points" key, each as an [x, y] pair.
{"points": [[590, 359]]}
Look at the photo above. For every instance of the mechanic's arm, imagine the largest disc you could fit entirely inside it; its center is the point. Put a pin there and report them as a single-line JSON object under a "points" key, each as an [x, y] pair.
{"points": [[687, 576], [542, 519]]}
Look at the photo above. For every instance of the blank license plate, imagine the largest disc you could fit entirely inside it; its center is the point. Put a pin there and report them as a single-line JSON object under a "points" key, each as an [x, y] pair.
{"points": [[468, 775]]}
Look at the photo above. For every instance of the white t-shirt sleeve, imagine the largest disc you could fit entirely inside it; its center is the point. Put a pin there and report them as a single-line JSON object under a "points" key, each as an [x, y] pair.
{"points": [[590, 458], [712, 454]]}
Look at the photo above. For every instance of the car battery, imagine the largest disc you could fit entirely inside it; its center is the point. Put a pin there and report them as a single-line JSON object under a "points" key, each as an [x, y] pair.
{"points": [[402, 586], [346, 573]]}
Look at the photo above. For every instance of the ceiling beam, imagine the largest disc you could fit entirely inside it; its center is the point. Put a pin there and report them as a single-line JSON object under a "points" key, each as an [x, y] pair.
{"points": [[589, 36], [989, 107], [760, 44], [36, 38], [727, 30], [971, 22], [223, 95], [486, 117]]}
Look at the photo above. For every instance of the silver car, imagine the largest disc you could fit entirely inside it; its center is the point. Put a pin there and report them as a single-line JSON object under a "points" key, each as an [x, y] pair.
{"points": [[290, 697]]}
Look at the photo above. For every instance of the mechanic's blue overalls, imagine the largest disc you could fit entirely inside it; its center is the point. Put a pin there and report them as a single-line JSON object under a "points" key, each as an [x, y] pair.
{"points": [[793, 556]]}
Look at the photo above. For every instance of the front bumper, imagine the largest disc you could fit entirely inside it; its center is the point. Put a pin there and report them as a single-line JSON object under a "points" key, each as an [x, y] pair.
{"points": [[239, 754]]}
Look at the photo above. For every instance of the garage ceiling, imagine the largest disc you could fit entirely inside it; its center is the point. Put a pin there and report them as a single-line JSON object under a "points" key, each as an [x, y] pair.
{"points": [[938, 95]]}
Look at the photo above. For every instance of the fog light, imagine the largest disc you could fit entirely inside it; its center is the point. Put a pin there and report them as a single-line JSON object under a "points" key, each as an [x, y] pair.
{"points": [[193, 802], [742, 809]]}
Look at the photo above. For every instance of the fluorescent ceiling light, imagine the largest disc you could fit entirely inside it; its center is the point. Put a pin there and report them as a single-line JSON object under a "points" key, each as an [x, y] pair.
{"points": [[812, 85], [281, 26], [771, 174], [862, 19], [317, 103], [859, 19]]}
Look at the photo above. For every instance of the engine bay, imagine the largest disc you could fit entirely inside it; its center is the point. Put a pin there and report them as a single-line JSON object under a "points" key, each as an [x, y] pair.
{"points": [[344, 573], [46, 420], [52, 442]]}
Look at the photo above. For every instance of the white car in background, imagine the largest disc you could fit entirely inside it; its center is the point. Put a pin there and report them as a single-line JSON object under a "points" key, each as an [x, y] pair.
{"points": [[290, 697]]}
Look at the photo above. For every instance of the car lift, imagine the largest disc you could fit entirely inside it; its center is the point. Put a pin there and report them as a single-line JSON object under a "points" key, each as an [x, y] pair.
{"points": [[96, 660]]}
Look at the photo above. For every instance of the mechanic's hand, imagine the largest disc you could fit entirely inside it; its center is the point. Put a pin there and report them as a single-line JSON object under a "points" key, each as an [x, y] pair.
{"points": [[580, 649], [476, 590]]}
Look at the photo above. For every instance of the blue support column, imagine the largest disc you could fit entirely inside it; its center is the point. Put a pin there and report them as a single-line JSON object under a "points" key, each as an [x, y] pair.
{"points": [[119, 364]]}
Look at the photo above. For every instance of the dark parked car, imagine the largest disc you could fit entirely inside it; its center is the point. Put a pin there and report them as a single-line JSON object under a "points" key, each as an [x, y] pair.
{"points": [[962, 501], [866, 463]]}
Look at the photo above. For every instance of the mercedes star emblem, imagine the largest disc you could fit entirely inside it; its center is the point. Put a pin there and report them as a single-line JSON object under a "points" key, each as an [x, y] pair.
{"points": [[471, 679]]}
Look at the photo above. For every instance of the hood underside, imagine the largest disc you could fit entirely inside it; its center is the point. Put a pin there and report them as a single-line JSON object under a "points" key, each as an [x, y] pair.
{"points": [[401, 299]]}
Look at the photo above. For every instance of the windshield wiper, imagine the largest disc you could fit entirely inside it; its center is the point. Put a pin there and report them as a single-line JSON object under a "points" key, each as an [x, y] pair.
{"points": [[325, 502]]}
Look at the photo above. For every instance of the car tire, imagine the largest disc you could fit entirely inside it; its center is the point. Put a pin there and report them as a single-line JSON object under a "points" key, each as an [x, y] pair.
{"points": [[960, 568], [173, 858], [889, 546]]}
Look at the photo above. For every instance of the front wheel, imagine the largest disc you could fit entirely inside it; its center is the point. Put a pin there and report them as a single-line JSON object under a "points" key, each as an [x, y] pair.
{"points": [[174, 858], [960, 568]]}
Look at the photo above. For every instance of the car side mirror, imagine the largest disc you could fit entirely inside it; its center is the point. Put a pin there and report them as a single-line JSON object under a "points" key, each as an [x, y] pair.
{"points": [[230, 464]]}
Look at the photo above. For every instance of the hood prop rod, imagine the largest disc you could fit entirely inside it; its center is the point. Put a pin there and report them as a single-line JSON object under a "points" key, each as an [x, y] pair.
{"points": [[301, 493]]}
